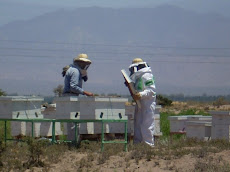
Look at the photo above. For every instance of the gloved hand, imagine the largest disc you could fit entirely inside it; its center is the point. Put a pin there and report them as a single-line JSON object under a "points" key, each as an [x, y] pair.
{"points": [[126, 83], [137, 96], [85, 78]]}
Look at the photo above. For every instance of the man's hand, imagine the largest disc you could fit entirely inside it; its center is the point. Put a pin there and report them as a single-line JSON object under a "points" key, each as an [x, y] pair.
{"points": [[88, 93], [137, 96]]}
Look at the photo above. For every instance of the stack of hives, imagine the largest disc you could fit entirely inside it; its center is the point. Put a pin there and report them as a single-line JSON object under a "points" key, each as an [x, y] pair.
{"points": [[22, 107], [91, 108], [197, 126], [220, 124], [49, 112]]}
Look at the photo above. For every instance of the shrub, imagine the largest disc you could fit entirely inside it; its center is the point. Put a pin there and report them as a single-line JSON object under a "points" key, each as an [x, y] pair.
{"points": [[163, 101]]}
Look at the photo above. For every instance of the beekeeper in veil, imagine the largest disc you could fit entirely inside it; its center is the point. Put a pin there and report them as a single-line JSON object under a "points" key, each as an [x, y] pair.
{"points": [[144, 83]]}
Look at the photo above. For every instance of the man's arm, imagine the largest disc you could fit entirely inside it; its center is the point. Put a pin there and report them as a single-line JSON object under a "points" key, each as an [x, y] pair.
{"points": [[74, 82], [149, 84]]}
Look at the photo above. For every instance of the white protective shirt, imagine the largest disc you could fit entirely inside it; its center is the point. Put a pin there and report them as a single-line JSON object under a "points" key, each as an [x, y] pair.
{"points": [[144, 117]]}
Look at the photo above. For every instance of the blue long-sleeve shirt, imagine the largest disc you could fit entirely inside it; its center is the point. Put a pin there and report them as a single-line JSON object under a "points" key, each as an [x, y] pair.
{"points": [[73, 81]]}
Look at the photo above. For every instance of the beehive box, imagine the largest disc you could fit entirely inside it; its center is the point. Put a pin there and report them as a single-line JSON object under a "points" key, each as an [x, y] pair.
{"points": [[46, 127], [130, 110], [198, 129], [220, 124], [74, 107], [21, 107], [178, 123]]}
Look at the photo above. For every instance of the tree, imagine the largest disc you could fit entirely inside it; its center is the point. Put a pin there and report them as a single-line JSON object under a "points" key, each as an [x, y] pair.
{"points": [[161, 100], [2, 93], [58, 90]]}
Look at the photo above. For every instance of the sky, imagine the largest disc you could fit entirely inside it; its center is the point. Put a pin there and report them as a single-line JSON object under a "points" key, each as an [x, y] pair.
{"points": [[14, 10]]}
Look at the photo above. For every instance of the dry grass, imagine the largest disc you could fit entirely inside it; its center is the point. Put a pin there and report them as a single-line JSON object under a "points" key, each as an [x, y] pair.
{"points": [[178, 107], [33, 155]]}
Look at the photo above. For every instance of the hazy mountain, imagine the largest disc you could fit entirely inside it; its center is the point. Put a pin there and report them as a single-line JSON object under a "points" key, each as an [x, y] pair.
{"points": [[93, 29], [164, 25]]}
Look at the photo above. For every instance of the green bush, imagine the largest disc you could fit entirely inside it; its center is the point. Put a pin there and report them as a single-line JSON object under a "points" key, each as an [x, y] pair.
{"points": [[163, 101], [2, 93]]}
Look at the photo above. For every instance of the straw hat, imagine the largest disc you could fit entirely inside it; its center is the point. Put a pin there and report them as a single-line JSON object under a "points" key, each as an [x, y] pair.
{"points": [[82, 58], [137, 60]]}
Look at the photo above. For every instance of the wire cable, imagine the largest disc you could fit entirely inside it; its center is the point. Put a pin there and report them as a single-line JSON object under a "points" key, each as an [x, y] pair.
{"points": [[115, 45]]}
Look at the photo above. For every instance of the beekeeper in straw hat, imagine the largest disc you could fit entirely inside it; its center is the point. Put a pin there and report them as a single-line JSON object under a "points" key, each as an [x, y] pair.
{"points": [[144, 83], [75, 74]]}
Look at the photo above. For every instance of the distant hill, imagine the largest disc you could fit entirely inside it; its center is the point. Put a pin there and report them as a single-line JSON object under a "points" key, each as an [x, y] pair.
{"points": [[162, 26]]}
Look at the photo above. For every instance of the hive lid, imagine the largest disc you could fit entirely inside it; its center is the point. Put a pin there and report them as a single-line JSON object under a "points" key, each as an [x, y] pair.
{"points": [[21, 98], [200, 117], [205, 123], [177, 117], [183, 117], [95, 99]]}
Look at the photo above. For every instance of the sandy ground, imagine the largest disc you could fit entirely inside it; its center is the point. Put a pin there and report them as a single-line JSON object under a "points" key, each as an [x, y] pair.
{"points": [[75, 161], [72, 161]]}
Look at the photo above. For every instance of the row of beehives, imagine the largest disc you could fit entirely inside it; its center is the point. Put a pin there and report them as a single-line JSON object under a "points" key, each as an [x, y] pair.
{"points": [[216, 126], [102, 108], [68, 108]]}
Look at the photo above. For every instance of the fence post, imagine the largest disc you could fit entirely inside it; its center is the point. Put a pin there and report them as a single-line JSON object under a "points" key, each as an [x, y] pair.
{"points": [[53, 131], [126, 141], [76, 134], [32, 129], [5, 134], [102, 135]]}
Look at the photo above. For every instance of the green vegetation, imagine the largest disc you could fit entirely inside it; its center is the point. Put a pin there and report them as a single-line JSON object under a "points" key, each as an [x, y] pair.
{"points": [[2, 130], [163, 101], [2, 93]]}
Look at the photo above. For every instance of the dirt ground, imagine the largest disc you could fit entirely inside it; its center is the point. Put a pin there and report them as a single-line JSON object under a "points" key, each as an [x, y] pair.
{"points": [[74, 161], [179, 160]]}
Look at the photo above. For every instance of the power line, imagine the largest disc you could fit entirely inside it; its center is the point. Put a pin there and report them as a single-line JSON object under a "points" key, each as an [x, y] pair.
{"points": [[120, 53], [33, 49], [117, 45], [149, 61]]}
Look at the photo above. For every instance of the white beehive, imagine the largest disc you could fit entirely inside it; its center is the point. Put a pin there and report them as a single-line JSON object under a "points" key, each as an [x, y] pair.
{"points": [[220, 124], [21, 107], [178, 123], [74, 107], [130, 110], [49, 112], [198, 129]]}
